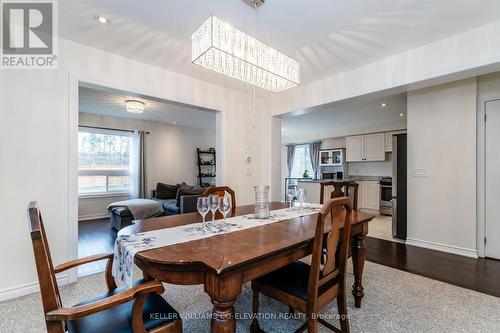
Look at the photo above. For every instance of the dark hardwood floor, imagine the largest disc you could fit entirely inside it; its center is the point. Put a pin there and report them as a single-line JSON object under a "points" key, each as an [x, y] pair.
{"points": [[95, 236], [482, 275]]}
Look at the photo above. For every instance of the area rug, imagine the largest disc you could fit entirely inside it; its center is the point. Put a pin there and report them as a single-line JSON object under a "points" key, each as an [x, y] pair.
{"points": [[395, 301]]}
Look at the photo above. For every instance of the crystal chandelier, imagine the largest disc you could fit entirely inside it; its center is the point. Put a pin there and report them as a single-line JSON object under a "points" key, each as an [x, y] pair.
{"points": [[219, 46]]}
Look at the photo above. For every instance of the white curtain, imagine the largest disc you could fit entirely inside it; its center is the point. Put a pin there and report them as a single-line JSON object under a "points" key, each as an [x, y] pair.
{"points": [[138, 165]]}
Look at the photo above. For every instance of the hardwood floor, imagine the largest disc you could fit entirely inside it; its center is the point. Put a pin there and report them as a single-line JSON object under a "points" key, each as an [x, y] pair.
{"points": [[482, 275], [95, 236]]}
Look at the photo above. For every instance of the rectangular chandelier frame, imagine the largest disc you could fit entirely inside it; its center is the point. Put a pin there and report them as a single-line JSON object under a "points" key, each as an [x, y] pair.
{"points": [[219, 46]]}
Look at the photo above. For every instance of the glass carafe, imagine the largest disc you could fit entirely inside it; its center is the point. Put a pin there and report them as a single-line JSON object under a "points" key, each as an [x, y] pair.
{"points": [[261, 202]]}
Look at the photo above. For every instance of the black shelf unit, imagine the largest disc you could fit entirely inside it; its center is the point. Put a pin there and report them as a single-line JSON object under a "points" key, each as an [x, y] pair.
{"points": [[206, 167]]}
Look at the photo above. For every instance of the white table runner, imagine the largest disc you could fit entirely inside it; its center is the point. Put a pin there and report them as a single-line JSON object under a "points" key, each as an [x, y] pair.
{"points": [[127, 246]]}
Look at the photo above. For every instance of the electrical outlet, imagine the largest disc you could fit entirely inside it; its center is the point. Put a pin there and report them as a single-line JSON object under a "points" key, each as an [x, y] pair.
{"points": [[420, 173]]}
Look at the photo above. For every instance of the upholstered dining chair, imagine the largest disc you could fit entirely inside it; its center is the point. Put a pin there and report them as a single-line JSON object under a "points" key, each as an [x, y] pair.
{"points": [[309, 288], [222, 191], [140, 309]]}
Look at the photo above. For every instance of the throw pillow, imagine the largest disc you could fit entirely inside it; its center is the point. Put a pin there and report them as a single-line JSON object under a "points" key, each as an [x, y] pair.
{"points": [[166, 191]]}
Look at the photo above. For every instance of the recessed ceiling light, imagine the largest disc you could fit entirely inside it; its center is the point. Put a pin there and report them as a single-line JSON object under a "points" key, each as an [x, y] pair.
{"points": [[383, 105], [134, 106], [102, 19], [401, 114]]}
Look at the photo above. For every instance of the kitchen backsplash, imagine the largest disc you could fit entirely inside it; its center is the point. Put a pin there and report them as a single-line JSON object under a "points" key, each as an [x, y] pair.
{"points": [[371, 168]]}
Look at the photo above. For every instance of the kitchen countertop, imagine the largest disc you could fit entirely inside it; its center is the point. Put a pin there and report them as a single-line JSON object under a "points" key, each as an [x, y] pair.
{"points": [[322, 180], [368, 178]]}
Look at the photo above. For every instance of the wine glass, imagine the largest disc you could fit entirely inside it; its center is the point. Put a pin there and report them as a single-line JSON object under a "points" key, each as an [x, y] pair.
{"points": [[202, 206], [290, 195], [213, 204], [224, 208], [301, 195]]}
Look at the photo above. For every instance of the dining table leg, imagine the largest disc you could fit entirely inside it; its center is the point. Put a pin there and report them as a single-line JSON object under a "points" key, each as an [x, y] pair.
{"points": [[223, 291], [358, 263]]}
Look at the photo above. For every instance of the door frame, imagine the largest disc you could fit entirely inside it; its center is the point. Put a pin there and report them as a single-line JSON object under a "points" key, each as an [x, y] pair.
{"points": [[481, 172], [73, 110]]}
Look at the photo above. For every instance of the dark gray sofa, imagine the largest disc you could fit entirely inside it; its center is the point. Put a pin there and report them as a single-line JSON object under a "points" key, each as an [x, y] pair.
{"points": [[175, 199], [120, 218]]}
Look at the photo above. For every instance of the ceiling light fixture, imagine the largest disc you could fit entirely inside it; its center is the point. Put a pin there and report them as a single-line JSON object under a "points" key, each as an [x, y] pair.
{"points": [[102, 19], [134, 106], [383, 105], [401, 114], [219, 46]]}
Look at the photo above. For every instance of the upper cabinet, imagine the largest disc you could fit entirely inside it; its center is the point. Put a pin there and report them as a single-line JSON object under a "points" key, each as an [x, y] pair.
{"points": [[355, 148], [388, 139], [331, 157], [369, 147]]}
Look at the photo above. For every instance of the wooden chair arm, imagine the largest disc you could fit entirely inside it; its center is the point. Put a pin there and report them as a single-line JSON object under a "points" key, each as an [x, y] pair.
{"points": [[74, 263], [125, 296]]}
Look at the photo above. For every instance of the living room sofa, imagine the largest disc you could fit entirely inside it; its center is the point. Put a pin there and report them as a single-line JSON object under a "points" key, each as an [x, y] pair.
{"points": [[177, 199]]}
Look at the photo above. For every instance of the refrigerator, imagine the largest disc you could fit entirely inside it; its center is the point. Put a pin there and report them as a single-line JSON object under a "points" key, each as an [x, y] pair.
{"points": [[399, 170]]}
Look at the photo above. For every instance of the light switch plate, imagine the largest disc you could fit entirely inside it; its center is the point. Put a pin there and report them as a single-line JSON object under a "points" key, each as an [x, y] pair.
{"points": [[420, 173]]}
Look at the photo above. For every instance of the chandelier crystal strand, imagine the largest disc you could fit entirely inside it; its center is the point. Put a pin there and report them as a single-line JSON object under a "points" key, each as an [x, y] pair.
{"points": [[219, 46]]}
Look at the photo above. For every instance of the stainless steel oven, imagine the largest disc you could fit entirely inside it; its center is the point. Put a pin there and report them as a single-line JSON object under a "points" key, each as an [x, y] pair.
{"points": [[386, 196]]}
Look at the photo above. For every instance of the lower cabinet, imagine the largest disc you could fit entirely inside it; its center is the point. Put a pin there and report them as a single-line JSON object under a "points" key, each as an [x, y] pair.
{"points": [[369, 195]]}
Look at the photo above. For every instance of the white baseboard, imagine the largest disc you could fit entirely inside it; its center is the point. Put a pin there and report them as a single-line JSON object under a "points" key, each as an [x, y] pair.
{"points": [[93, 217], [27, 289], [461, 251]]}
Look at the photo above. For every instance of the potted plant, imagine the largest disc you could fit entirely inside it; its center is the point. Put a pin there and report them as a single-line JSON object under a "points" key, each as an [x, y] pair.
{"points": [[306, 173]]}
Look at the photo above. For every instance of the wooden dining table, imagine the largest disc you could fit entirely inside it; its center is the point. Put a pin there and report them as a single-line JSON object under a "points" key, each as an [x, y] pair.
{"points": [[224, 262]]}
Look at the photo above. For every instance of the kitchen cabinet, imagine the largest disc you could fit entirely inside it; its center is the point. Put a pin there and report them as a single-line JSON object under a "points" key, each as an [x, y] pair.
{"points": [[369, 195], [354, 148], [369, 147], [331, 157], [388, 139]]}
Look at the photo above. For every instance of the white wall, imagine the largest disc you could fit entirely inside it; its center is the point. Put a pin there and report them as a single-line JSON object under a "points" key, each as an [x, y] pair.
{"points": [[34, 145], [442, 141], [170, 155]]}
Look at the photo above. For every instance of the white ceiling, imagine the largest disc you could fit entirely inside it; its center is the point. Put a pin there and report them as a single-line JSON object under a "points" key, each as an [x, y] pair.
{"points": [[110, 102], [362, 115], [326, 36]]}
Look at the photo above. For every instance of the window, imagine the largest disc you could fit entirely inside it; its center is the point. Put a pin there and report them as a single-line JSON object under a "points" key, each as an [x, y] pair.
{"points": [[301, 161], [103, 162]]}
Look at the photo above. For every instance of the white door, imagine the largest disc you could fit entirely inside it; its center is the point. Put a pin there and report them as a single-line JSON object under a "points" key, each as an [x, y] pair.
{"points": [[354, 148], [492, 166], [375, 147]]}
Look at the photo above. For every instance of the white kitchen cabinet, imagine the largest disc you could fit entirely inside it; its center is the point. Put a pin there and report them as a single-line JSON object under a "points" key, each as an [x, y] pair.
{"points": [[369, 147], [375, 147], [388, 139], [369, 195], [354, 148]]}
